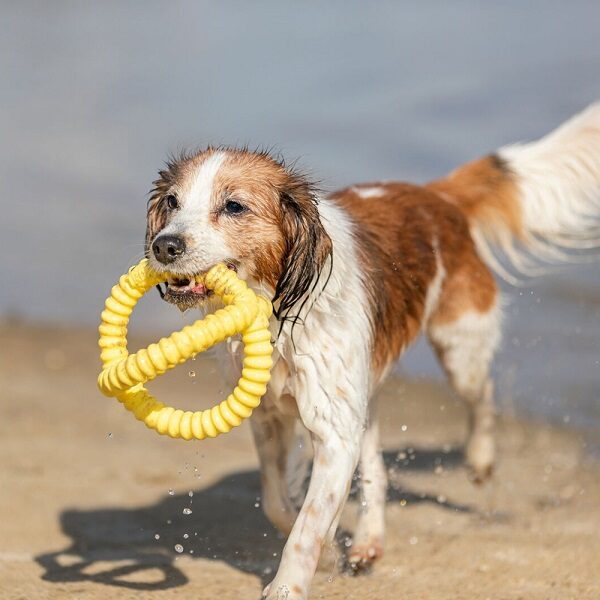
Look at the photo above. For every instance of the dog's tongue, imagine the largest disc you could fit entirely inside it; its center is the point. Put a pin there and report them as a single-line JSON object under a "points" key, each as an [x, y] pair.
{"points": [[198, 288]]}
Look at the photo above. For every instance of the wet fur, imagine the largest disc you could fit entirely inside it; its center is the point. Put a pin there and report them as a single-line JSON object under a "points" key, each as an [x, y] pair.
{"points": [[355, 278]]}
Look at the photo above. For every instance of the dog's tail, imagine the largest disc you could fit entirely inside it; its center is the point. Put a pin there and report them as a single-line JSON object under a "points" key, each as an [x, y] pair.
{"points": [[536, 203]]}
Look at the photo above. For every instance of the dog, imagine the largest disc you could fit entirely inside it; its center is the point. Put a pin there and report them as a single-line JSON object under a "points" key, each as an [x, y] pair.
{"points": [[355, 277]]}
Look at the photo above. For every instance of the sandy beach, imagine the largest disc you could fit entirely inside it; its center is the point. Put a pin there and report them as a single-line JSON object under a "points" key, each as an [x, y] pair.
{"points": [[93, 505]]}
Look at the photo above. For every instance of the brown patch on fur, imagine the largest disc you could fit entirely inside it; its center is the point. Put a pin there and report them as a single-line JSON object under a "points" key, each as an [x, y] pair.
{"points": [[470, 287], [255, 237], [282, 234], [296, 589], [486, 193], [395, 233], [399, 234], [307, 247]]}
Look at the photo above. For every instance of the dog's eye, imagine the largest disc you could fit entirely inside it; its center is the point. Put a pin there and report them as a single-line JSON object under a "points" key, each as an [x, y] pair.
{"points": [[233, 207], [172, 201]]}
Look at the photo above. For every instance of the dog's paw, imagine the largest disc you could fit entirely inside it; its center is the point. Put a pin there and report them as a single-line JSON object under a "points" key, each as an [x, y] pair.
{"points": [[275, 591], [480, 475], [480, 458], [361, 556]]}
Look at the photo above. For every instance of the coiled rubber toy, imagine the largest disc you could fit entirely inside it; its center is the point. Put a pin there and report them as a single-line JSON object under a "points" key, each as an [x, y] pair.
{"points": [[124, 374]]}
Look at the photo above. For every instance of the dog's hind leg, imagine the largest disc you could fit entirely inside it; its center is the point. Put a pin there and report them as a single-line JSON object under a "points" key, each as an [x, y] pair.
{"points": [[465, 333], [367, 545]]}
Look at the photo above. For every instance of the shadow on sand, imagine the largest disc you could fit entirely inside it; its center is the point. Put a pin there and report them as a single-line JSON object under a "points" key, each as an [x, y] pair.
{"points": [[136, 547]]}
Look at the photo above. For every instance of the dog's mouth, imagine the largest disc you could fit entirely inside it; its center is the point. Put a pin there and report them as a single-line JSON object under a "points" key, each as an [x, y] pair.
{"points": [[187, 287], [187, 291]]}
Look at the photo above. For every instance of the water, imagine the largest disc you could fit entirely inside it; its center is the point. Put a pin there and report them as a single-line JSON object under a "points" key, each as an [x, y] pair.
{"points": [[95, 95]]}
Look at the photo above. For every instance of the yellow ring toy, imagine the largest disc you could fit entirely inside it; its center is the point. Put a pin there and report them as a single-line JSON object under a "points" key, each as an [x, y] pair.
{"points": [[124, 374]]}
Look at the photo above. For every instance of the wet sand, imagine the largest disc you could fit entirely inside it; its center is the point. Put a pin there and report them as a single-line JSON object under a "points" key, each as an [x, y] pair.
{"points": [[92, 504]]}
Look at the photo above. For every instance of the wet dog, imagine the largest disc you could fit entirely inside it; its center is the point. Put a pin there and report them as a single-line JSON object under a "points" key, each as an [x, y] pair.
{"points": [[355, 277]]}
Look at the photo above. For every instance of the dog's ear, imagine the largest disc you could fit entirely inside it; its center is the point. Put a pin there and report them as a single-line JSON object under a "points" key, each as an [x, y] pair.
{"points": [[307, 244], [156, 217]]}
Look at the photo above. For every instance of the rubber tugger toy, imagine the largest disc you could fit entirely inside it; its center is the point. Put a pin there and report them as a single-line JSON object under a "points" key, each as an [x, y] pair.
{"points": [[123, 375]]}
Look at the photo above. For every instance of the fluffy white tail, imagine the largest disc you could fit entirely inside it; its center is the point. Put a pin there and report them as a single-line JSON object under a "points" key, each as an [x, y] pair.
{"points": [[537, 202]]}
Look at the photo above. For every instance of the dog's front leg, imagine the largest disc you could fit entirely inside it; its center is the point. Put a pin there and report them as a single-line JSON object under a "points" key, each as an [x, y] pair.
{"points": [[273, 435], [334, 463]]}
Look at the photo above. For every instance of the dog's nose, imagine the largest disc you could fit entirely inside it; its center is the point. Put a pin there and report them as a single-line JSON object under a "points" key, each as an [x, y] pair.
{"points": [[168, 248]]}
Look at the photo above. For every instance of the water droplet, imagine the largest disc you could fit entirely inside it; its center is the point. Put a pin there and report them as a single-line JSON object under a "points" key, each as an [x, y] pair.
{"points": [[441, 499], [404, 427], [187, 511], [157, 536], [190, 494], [186, 536], [413, 540], [192, 374], [256, 505], [171, 492], [191, 552], [109, 434], [178, 548]]}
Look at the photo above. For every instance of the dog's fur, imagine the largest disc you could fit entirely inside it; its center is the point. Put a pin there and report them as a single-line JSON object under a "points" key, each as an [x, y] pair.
{"points": [[355, 277]]}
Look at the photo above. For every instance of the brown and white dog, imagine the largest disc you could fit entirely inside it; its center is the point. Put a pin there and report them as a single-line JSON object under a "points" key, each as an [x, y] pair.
{"points": [[355, 277]]}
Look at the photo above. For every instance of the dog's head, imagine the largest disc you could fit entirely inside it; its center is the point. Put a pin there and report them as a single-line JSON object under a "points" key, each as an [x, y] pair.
{"points": [[242, 208]]}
